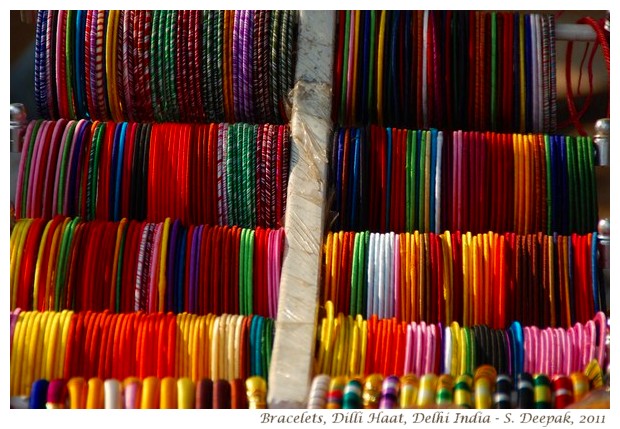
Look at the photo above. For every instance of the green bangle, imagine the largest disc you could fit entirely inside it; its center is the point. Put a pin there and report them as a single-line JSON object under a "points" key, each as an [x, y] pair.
{"points": [[63, 167], [249, 254]]}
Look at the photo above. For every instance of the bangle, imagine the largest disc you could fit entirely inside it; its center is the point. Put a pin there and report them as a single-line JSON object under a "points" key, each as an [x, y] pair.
{"points": [[426, 394], [132, 393], [38, 394], [204, 394], [409, 386], [581, 386], [372, 391], [113, 394], [562, 391], [542, 392], [484, 381], [445, 387], [317, 397], [525, 391], [221, 395], [56, 394], [150, 393], [186, 393], [462, 391], [503, 392], [168, 393], [239, 396], [95, 398]]}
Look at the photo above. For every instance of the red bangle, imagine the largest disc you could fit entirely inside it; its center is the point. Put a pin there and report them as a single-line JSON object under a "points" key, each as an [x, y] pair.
{"points": [[171, 347], [70, 347], [73, 263], [101, 348]]}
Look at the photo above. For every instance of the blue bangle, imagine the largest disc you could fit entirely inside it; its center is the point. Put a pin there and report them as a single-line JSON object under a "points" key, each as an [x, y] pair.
{"points": [[517, 351], [355, 198], [119, 171], [113, 169], [38, 394], [170, 264], [180, 273], [79, 85]]}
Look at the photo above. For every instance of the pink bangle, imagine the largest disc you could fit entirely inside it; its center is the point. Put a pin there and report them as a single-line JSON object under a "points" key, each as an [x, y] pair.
{"points": [[408, 347], [527, 350], [589, 345], [563, 343], [601, 323]]}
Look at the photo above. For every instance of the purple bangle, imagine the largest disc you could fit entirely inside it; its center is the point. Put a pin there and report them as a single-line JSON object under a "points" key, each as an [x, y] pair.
{"points": [[14, 317], [40, 58], [193, 268], [71, 169], [170, 266], [93, 62], [237, 52], [247, 95]]}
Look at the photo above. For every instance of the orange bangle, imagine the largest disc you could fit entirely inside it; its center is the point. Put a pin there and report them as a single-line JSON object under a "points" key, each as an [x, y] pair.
{"points": [[78, 392], [95, 398]]}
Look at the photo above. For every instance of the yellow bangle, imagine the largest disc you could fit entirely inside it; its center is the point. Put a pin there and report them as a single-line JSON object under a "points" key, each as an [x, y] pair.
{"points": [[215, 357], [78, 392], [455, 330], [168, 395], [208, 345], [65, 323], [31, 343], [50, 362], [16, 262], [222, 347], [199, 329], [353, 369], [238, 345], [162, 264], [192, 348], [230, 346], [38, 364], [186, 394], [94, 400], [150, 393], [364, 346], [16, 354], [37, 271], [180, 372]]}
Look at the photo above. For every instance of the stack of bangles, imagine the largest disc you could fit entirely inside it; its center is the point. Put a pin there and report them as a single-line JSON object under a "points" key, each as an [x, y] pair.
{"points": [[148, 393], [165, 65], [479, 70], [216, 174], [129, 266], [484, 389], [405, 180], [64, 345], [352, 347], [490, 278]]}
